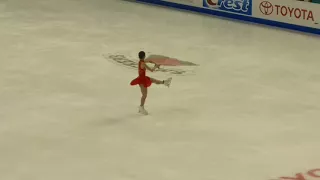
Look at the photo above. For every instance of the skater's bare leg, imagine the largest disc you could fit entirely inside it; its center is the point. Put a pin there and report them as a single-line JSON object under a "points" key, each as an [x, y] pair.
{"points": [[156, 81], [144, 92], [165, 82]]}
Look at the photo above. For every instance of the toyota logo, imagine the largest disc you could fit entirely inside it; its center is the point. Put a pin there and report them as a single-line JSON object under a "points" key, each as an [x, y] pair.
{"points": [[212, 2], [266, 8]]}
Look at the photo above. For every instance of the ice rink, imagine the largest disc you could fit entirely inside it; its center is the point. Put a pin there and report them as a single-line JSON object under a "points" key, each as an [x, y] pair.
{"points": [[249, 111]]}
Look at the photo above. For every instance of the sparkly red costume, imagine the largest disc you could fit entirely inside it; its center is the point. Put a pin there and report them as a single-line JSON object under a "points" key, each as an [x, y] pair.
{"points": [[142, 78]]}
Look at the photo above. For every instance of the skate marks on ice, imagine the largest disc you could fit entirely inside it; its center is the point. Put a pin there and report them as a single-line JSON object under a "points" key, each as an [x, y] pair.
{"points": [[162, 112], [312, 174], [132, 63], [116, 120]]}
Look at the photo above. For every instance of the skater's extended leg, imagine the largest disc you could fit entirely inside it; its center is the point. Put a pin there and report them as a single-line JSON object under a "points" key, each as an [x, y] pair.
{"points": [[165, 82], [156, 81]]}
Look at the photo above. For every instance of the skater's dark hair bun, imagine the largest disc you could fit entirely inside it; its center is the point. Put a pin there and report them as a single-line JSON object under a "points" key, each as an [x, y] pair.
{"points": [[142, 54]]}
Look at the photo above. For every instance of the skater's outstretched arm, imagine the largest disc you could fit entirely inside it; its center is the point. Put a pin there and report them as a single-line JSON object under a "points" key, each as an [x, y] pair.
{"points": [[151, 69]]}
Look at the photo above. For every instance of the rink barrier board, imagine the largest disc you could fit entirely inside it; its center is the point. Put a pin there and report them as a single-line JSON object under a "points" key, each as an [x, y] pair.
{"points": [[234, 16]]}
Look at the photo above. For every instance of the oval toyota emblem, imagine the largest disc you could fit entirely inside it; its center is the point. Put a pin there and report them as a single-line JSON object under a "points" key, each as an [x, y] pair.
{"points": [[212, 2], [266, 8]]}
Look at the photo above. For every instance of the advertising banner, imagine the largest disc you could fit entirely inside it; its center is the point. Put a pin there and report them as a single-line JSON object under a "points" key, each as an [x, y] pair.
{"points": [[196, 3], [243, 7], [290, 14], [288, 11]]}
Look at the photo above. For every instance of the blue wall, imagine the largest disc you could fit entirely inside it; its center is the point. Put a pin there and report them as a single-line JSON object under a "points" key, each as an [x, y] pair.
{"points": [[235, 16]]}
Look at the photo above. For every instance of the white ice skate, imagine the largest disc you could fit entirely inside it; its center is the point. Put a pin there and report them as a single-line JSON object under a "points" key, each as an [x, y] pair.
{"points": [[167, 82], [143, 111]]}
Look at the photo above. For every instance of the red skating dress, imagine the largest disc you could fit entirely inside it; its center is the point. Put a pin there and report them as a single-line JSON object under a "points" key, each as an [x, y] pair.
{"points": [[142, 78]]}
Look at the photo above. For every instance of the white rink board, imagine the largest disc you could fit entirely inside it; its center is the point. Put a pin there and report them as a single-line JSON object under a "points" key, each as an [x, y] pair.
{"points": [[288, 11], [288, 14], [196, 3]]}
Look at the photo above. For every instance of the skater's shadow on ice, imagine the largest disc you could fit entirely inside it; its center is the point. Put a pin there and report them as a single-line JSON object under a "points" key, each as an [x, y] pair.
{"points": [[113, 121], [174, 111]]}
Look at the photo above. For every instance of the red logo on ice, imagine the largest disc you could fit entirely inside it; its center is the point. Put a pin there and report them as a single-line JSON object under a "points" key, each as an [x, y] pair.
{"points": [[267, 9]]}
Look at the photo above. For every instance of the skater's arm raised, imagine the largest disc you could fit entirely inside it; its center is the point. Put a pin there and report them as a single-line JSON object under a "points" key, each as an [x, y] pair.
{"points": [[147, 61], [150, 69]]}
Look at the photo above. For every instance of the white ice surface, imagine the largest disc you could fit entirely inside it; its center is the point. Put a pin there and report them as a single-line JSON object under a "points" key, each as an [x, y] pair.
{"points": [[251, 111]]}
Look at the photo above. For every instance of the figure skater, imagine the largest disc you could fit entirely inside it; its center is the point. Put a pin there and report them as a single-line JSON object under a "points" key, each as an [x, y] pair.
{"points": [[145, 81]]}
